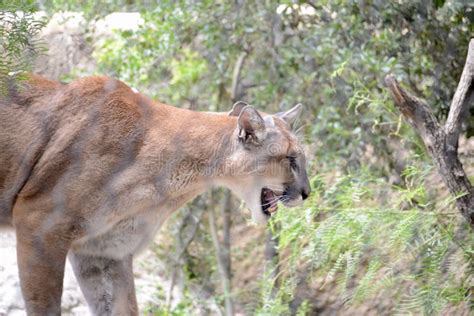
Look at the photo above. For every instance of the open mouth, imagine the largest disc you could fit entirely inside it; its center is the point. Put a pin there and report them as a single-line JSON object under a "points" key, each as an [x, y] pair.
{"points": [[269, 200]]}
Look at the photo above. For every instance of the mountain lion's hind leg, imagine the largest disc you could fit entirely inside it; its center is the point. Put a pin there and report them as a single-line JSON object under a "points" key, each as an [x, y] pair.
{"points": [[107, 284]]}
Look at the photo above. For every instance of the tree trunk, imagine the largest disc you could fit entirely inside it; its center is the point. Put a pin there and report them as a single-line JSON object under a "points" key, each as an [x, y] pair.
{"points": [[442, 141]]}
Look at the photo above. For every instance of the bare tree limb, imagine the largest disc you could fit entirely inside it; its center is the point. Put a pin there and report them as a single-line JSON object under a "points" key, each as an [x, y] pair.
{"points": [[441, 142], [272, 260], [226, 212], [236, 76], [193, 219], [416, 111], [229, 306], [462, 99]]}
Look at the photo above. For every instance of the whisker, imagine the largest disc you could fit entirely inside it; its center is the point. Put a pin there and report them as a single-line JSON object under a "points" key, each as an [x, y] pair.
{"points": [[271, 202], [274, 188], [276, 199]]}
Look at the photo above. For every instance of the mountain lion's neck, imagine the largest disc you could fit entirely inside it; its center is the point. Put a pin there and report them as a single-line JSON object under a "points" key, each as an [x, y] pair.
{"points": [[196, 147]]}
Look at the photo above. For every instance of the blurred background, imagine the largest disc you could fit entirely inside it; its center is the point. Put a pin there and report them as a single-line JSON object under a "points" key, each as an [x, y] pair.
{"points": [[380, 234]]}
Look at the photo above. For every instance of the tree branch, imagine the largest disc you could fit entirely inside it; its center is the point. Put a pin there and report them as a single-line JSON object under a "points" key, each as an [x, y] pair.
{"points": [[416, 111], [272, 260], [195, 219], [226, 212], [438, 142], [229, 306], [462, 99], [236, 76]]}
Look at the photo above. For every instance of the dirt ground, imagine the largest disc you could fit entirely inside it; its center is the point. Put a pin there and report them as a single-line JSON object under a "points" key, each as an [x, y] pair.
{"points": [[147, 278]]}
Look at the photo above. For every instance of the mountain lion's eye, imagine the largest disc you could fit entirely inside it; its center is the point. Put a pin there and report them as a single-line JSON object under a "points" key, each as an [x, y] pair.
{"points": [[293, 164]]}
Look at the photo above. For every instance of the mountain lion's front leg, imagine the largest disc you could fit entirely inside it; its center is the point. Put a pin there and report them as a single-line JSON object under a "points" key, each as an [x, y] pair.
{"points": [[107, 284], [41, 259]]}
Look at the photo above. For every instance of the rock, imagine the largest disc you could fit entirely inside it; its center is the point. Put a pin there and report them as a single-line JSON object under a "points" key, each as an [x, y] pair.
{"points": [[70, 41], [65, 37]]}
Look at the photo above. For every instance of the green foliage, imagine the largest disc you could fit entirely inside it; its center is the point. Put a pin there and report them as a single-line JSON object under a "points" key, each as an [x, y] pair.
{"points": [[363, 247], [90, 8], [19, 43], [187, 71]]}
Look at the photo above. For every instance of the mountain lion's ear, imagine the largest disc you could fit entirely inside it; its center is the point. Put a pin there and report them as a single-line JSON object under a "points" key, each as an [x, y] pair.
{"points": [[251, 126], [291, 115], [237, 108]]}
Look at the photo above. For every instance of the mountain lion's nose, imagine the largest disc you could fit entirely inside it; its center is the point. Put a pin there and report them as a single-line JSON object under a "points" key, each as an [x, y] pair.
{"points": [[305, 193], [306, 189]]}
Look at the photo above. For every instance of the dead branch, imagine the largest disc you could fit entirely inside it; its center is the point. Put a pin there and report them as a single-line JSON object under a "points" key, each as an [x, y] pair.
{"points": [[463, 97], [272, 264], [236, 76], [441, 142], [229, 306], [194, 220], [226, 211]]}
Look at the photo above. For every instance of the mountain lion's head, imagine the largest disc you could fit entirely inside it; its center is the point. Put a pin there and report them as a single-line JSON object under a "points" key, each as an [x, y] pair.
{"points": [[270, 159]]}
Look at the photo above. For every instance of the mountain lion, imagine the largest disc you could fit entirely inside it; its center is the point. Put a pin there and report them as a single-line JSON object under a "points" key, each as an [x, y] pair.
{"points": [[90, 170]]}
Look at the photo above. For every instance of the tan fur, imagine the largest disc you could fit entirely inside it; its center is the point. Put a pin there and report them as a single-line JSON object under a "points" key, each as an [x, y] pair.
{"points": [[91, 169]]}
